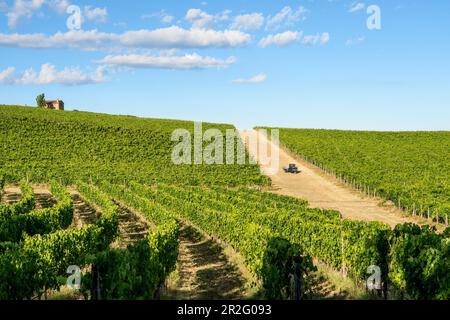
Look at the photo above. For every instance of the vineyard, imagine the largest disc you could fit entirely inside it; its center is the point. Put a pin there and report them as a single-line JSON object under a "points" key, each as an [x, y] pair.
{"points": [[118, 207], [265, 229], [44, 145], [411, 169]]}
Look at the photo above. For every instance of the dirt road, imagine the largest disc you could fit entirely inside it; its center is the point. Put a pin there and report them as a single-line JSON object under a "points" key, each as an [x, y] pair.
{"points": [[324, 191]]}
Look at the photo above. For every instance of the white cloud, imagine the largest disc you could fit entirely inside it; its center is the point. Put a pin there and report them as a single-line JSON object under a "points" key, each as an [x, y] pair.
{"points": [[185, 62], [289, 37], [162, 15], [164, 38], [356, 7], [355, 41], [168, 52], [95, 14], [280, 39], [286, 17], [246, 22], [176, 37], [48, 74], [60, 6], [27, 8], [6, 76], [22, 9], [316, 39], [203, 20], [167, 19], [259, 78], [199, 18], [325, 38]]}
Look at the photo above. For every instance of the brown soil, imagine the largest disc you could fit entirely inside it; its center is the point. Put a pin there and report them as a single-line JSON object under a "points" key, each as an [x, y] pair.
{"points": [[83, 213], [10, 195], [204, 271], [132, 227], [44, 198]]}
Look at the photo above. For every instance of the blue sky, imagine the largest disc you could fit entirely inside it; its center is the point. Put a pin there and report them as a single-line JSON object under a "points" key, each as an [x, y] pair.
{"points": [[306, 64]]}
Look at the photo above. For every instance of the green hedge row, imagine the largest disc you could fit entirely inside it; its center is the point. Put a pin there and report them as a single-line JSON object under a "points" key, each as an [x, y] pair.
{"points": [[26, 203], [419, 262], [346, 245], [266, 254], [13, 227], [138, 271], [36, 264], [351, 245]]}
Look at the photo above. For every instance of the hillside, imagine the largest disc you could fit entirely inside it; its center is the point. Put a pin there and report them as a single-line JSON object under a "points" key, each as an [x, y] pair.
{"points": [[71, 145], [140, 227]]}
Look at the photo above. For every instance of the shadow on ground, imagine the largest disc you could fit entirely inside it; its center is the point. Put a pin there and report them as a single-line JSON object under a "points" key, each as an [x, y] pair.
{"points": [[204, 271]]}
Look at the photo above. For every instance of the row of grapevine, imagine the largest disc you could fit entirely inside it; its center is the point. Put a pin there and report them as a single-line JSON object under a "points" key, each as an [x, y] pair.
{"points": [[104, 147], [36, 264], [14, 226], [26, 203], [267, 254], [323, 234], [139, 271], [350, 246], [409, 168], [419, 262]]}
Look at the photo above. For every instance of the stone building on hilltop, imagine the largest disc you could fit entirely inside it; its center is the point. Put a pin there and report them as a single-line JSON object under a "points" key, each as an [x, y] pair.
{"points": [[55, 104]]}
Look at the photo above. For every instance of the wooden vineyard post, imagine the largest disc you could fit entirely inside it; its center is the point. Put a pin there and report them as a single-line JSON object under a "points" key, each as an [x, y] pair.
{"points": [[297, 279], [95, 283], [428, 214]]}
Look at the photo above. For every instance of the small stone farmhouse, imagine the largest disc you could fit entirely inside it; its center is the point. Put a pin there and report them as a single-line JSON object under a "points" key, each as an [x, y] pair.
{"points": [[55, 104]]}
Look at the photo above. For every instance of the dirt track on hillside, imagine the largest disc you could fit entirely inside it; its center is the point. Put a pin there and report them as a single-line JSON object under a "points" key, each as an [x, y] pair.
{"points": [[324, 191]]}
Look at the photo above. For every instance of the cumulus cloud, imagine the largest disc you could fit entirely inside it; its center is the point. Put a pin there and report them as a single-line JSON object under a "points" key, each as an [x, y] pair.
{"points": [[288, 37], [286, 17], [259, 78], [161, 15], [316, 39], [95, 14], [60, 6], [27, 8], [356, 7], [6, 76], [167, 18], [184, 62], [176, 37], [280, 39], [246, 22], [164, 38], [48, 74], [22, 9], [203, 20]]}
